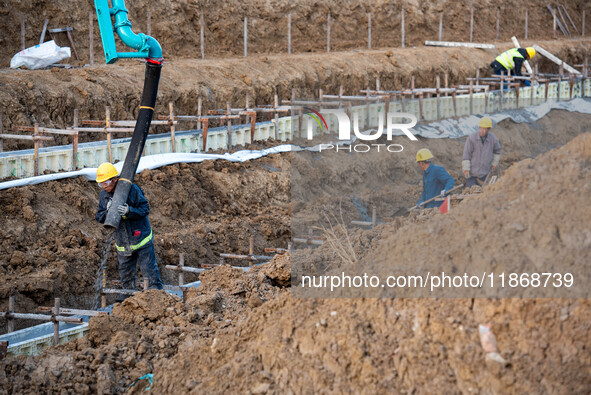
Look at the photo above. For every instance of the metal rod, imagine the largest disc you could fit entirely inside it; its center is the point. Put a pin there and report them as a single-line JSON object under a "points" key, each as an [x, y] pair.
{"points": [[10, 320], [149, 23], [289, 33], [328, 33], [402, 25], [65, 311], [245, 36], [229, 125], [181, 266], [369, 30], [472, 24], [36, 143], [498, 22], [172, 129], [202, 36], [56, 324], [107, 126], [554, 23], [307, 241], [75, 141], [119, 291], [374, 216], [41, 317], [23, 30], [187, 269], [91, 36], [247, 257], [440, 37], [438, 84], [526, 22]]}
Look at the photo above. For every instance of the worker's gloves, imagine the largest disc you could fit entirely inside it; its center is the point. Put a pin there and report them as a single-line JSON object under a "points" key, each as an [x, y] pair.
{"points": [[443, 193], [123, 209], [109, 204]]}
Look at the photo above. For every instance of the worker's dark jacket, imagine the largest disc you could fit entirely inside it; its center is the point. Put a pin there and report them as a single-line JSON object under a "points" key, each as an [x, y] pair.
{"points": [[435, 179], [134, 231], [510, 60]]}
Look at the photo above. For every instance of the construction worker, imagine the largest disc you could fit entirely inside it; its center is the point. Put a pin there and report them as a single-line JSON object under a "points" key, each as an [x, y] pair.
{"points": [[512, 60], [482, 152], [133, 238], [436, 180]]}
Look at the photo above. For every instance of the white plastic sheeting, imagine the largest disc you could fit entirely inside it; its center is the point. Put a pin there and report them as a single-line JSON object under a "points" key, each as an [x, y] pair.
{"points": [[151, 162], [40, 56], [455, 128]]}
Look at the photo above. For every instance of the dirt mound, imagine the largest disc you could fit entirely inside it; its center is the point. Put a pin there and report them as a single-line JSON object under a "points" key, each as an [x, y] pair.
{"points": [[145, 328]]}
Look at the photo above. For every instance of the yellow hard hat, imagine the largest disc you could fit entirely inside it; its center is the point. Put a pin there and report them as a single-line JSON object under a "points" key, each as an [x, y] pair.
{"points": [[485, 122], [424, 154], [105, 172], [531, 52]]}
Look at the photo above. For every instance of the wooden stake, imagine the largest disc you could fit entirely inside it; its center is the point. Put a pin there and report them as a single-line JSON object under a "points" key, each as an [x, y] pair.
{"points": [[441, 27], [300, 121], [107, 126], [245, 36], [172, 128], [583, 27], [23, 31], [199, 105], [229, 123], [1, 139], [328, 33], [36, 143], [91, 36], [289, 33], [146, 284], [369, 30], [202, 36], [486, 93], [498, 23], [42, 38], [517, 96], [149, 23], [205, 128], [532, 89], [471, 97], [75, 142], [181, 265], [367, 113], [421, 107], [502, 90], [276, 120], [56, 324], [10, 321], [554, 23], [472, 24], [438, 86], [374, 216], [547, 85], [571, 85], [402, 25], [446, 81], [526, 22]]}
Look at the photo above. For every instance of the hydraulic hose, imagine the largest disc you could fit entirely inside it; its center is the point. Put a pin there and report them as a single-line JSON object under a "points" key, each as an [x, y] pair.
{"points": [[138, 140]]}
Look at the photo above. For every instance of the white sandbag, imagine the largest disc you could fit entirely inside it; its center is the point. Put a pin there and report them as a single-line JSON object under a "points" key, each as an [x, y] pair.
{"points": [[40, 56]]}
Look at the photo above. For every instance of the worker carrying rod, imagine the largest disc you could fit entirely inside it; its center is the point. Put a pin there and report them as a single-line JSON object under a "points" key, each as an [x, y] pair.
{"points": [[512, 60]]}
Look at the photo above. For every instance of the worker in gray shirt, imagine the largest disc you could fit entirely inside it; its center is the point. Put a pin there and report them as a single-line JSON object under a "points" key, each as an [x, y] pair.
{"points": [[482, 152]]}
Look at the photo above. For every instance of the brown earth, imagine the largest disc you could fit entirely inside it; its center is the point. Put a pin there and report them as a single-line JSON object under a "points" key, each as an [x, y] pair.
{"points": [[176, 24]]}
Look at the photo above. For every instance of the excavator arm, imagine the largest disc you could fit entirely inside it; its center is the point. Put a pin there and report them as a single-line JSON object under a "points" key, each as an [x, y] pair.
{"points": [[114, 20]]}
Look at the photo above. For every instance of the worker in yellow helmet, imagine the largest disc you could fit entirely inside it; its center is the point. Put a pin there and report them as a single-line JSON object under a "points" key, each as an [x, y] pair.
{"points": [[133, 238], [482, 152], [436, 180], [512, 60]]}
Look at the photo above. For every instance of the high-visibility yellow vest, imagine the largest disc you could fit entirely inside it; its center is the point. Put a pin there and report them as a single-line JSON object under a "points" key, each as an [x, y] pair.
{"points": [[506, 58]]}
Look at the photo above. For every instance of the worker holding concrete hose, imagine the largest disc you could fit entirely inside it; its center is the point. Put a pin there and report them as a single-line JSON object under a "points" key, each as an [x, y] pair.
{"points": [[512, 60], [133, 237], [436, 180], [482, 152]]}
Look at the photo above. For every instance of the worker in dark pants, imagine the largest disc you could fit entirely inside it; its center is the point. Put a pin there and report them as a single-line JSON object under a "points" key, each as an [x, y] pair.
{"points": [[436, 180], [482, 152], [513, 60], [133, 238]]}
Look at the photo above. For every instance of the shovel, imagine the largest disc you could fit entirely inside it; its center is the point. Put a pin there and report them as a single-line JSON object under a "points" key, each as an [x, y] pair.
{"points": [[403, 211]]}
